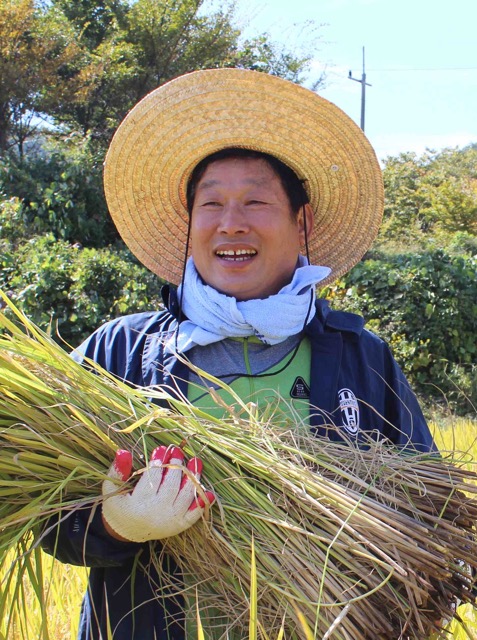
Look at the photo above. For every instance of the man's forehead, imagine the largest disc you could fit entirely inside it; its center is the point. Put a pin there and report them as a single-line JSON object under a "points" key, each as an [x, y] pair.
{"points": [[220, 171], [215, 182]]}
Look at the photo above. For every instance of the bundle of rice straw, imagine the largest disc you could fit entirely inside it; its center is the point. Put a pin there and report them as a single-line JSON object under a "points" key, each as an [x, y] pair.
{"points": [[349, 543]]}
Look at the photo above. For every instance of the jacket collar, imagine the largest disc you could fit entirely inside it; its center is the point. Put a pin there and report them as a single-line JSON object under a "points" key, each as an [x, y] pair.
{"points": [[326, 319], [170, 300]]}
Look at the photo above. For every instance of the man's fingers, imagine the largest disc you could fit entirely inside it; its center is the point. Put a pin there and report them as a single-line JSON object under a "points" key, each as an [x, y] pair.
{"points": [[199, 503], [172, 476], [164, 454], [195, 466], [158, 479], [196, 509], [120, 470], [122, 465], [159, 453]]}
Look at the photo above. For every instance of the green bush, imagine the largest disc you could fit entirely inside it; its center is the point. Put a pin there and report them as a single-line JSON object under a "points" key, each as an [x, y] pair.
{"points": [[60, 189], [425, 307], [70, 291], [12, 221]]}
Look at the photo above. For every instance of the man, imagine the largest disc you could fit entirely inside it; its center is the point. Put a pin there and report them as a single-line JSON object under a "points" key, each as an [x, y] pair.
{"points": [[233, 185]]}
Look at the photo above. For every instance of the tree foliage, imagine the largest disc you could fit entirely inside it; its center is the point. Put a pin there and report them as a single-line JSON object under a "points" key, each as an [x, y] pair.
{"points": [[36, 48], [113, 52], [60, 191], [434, 193], [70, 291]]}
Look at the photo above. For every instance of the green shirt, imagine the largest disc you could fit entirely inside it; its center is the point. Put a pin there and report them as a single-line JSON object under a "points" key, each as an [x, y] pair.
{"points": [[281, 389]]}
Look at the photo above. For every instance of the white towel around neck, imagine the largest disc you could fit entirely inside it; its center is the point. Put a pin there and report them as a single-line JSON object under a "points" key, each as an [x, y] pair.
{"points": [[213, 316]]}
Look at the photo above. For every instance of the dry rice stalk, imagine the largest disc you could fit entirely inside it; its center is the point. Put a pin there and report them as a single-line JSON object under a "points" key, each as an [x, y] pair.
{"points": [[361, 543]]}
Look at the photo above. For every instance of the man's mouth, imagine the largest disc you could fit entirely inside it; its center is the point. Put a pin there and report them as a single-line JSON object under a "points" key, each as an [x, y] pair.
{"points": [[239, 255]]}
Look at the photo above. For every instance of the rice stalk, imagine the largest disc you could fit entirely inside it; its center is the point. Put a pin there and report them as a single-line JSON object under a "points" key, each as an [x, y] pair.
{"points": [[347, 542], [253, 615]]}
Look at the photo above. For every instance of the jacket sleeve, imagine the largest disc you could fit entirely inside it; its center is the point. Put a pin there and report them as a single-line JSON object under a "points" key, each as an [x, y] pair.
{"points": [[118, 345], [78, 537], [404, 421]]}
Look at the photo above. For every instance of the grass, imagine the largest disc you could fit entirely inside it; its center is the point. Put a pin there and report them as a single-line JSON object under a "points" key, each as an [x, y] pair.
{"points": [[459, 435], [56, 616]]}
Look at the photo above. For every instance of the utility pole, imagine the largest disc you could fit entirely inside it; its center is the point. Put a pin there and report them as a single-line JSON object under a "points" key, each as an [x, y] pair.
{"points": [[364, 84]]}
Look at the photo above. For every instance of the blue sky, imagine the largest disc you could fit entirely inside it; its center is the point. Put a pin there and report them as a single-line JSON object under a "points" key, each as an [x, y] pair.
{"points": [[421, 60]]}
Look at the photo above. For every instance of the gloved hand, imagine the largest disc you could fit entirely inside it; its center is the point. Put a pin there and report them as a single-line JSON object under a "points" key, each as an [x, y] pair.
{"points": [[162, 504]]}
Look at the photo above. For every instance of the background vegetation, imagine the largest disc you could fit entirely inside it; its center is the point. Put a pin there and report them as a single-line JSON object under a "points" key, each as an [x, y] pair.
{"points": [[69, 73]]}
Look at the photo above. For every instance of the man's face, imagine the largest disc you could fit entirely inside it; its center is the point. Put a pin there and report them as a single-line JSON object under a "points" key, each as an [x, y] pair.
{"points": [[245, 239]]}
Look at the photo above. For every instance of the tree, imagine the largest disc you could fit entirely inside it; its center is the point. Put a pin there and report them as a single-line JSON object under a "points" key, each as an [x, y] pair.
{"points": [[173, 36], [452, 190], [60, 191], [453, 206], [130, 48], [82, 64], [36, 48], [432, 194], [93, 19]]}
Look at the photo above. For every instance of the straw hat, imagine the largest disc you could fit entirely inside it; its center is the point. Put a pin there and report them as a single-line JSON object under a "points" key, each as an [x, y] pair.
{"points": [[168, 132]]}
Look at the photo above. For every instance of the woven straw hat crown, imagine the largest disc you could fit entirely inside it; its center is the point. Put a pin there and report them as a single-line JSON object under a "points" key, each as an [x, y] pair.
{"points": [[161, 140]]}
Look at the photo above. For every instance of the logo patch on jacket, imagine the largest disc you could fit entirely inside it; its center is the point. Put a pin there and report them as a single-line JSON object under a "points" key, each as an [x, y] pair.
{"points": [[349, 410], [300, 390]]}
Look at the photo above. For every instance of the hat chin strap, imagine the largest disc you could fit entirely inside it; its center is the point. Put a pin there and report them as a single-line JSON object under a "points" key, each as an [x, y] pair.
{"points": [[305, 229], [186, 253]]}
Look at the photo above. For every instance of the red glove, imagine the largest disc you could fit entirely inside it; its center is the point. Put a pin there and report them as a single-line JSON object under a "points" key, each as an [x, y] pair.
{"points": [[162, 504]]}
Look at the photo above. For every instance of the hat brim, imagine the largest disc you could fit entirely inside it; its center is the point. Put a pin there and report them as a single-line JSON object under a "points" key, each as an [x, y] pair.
{"points": [[156, 147]]}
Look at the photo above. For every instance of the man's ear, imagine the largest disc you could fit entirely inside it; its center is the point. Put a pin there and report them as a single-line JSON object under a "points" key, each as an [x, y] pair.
{"points": [[308, 218]]}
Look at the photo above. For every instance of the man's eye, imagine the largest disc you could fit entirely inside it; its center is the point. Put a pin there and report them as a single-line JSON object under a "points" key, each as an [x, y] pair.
{"points": [[256, 202], [211, 203]]}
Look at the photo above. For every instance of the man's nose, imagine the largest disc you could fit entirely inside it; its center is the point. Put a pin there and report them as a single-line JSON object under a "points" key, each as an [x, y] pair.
{"points": [[233, 219]]}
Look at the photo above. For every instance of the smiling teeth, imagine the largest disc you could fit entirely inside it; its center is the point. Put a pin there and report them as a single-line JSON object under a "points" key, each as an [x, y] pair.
{"points": [[240, 252]]}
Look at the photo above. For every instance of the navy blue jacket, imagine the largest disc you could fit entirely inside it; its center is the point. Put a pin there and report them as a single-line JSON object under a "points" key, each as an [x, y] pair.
{"points": [[355, 384]]}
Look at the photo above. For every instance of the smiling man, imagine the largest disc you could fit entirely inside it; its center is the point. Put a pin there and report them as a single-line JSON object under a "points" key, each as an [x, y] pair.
{"points": [[243, 192], [245, 235]]}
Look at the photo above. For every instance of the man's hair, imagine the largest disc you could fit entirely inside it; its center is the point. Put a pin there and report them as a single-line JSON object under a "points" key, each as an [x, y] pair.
{"points": [[290, 182]]}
